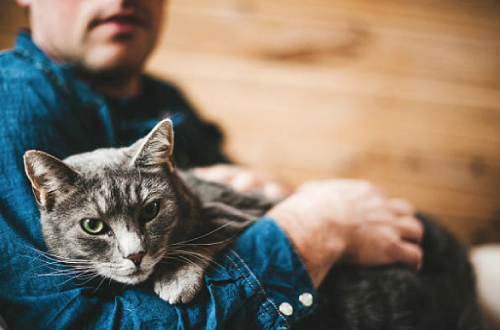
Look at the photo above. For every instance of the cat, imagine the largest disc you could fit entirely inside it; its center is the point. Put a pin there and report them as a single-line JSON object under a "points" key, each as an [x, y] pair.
{"points": [[130, 215]]}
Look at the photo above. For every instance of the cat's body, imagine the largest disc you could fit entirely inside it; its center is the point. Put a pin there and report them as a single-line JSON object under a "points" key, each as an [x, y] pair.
{"points": [[126, 214], [196, 219]]}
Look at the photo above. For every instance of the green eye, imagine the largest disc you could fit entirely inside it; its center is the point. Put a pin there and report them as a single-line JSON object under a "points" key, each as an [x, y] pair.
{"points": [[94, 226], [149, 211]]}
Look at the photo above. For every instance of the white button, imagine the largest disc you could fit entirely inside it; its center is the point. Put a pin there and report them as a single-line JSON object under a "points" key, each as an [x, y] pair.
{"points": [[306, 299], [286, 309]]}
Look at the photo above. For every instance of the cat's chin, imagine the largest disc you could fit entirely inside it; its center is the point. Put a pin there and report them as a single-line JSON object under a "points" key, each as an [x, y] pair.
{"points": [[134, 278]]}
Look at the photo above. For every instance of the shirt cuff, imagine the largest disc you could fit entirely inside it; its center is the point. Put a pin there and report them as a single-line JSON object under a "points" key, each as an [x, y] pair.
{"points": [[276, 279]]}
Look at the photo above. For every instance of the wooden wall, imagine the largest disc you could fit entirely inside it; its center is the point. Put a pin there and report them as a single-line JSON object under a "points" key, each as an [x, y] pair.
{"points": [[403, 93]]}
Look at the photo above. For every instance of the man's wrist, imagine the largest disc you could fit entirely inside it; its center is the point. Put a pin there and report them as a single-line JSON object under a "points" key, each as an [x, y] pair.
{"points": [[318, 257]]}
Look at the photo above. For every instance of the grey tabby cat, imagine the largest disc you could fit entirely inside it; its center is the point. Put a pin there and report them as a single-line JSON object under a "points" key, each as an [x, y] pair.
{"points": [[128, 215]]}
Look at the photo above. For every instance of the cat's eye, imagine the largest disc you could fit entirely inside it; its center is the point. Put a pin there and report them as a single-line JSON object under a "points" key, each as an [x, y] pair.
{"points": [[94, 226], [149, 211]]}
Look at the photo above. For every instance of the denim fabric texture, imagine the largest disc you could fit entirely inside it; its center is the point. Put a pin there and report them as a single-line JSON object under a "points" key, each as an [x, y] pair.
{"points": [[43, 106]]}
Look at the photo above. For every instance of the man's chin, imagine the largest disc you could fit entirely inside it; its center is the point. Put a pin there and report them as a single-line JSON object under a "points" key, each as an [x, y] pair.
{"points": [[114, 58]]}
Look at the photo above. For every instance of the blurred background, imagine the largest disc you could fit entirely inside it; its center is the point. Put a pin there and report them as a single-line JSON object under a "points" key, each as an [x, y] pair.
{"points": [[403, 93]]}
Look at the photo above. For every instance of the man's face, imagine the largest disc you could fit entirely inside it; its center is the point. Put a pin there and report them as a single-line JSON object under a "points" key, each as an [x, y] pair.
{"points": [[99, 35]]}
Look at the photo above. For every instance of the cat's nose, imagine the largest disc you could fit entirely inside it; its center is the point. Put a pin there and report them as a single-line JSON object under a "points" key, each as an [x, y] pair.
{"points": [[136, 258]]}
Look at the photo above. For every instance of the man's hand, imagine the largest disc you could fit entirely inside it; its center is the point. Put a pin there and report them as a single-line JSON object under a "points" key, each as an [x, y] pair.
{"points": [[348, 221], [242, 179]]}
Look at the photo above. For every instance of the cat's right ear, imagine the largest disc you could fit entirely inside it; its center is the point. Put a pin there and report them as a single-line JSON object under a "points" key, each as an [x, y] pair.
{"points": [[50, 177], [156, 150]]}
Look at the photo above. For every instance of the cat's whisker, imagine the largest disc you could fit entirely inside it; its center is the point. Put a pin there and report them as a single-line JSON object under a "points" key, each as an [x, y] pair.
{"points": [[201, 257], [100, 283], [191, 262], [72, 270], [159, 254], [204, 235], [59, 273], [207, 244], [91, 278], [78, 276], [85, 275], [56, 258], [53, 265], [179, 259]]}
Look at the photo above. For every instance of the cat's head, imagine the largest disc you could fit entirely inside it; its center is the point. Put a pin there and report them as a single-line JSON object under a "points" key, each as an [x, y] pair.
{"points": [[111, 211]]}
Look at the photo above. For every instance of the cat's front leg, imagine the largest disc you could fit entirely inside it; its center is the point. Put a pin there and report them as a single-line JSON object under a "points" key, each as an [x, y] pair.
{"points": [[180, 286]]}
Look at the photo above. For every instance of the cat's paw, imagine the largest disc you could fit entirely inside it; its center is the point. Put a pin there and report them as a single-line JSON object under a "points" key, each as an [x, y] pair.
{"points": [[180, 287]]}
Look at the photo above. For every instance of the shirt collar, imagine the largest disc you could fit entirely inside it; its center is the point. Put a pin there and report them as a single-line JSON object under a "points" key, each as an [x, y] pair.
{"points": [[28, 49], [62, 74]]}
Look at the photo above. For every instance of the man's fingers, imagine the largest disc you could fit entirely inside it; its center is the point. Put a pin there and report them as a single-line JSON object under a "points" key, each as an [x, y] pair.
{"points": [[217, 173], [410, 229], [408, 253], [401, 206], [245, 181]]}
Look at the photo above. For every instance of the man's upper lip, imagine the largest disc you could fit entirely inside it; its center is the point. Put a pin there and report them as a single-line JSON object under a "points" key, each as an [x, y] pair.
{"points": [[125, 18]]}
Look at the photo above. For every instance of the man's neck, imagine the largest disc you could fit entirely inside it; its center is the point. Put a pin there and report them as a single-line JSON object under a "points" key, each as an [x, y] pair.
{"points": [[120, 83], [119, 87], [115, 84]]}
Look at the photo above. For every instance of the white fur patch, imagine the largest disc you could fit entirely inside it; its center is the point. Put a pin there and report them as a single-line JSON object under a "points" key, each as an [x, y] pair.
{"points": [[129, 242]]}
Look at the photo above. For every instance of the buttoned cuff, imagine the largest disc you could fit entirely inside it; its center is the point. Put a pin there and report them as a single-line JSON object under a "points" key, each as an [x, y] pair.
{"points": [[273, 276]]}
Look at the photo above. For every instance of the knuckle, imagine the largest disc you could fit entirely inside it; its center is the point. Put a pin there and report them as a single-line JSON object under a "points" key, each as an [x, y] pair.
{"points": [[415, 255], [392, 247], [420, 228], [417, 226], [419, 252], [365, 185]]}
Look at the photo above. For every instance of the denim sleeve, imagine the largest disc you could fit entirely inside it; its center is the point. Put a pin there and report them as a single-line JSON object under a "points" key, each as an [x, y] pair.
{"points": [[256, 284]]}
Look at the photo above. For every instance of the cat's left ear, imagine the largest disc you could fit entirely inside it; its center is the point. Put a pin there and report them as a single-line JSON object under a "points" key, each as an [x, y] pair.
{"points": [[157, 148], [51, 178]]}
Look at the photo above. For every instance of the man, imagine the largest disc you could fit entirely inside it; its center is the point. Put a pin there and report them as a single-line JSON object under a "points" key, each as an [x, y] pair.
{"points": [[76, 84]]}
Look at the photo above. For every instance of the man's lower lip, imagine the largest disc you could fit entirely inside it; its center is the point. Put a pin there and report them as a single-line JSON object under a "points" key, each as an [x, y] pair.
{"points": [[120, 27]]}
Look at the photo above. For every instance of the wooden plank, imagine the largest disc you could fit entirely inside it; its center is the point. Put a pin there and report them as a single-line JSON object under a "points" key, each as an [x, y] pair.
{"points": [[331, 110], [11, 19], [11, 16], [341, 43], [181, 63], [445, 19], [6, 41], [351, 159], [446, 11]]}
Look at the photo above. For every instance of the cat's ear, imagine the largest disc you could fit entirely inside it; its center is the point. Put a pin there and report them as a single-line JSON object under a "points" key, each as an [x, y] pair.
{"points": [[49, 176], [156, 150]]}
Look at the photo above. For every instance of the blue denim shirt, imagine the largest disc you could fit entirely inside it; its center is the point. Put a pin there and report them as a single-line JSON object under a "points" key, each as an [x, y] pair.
{"points": [[44, 106]]}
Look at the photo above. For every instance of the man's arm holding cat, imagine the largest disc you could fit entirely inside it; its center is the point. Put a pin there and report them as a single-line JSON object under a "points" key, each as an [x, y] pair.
{"points": [[336, 220]]}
